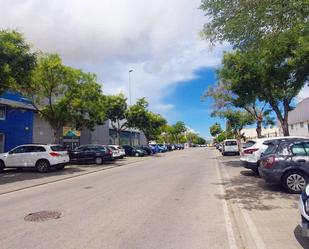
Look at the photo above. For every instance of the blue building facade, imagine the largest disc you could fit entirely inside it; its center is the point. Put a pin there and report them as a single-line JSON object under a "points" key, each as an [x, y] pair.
{"points": [[16, 121]]}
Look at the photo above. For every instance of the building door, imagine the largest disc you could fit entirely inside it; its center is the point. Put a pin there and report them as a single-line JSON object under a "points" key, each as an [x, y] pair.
{"points": [[2, 136]]}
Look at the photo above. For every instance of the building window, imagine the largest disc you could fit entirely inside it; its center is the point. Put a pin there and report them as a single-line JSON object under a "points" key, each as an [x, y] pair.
{"points": [[1, 142], [2, 112], [292, 127], [301, 124]]}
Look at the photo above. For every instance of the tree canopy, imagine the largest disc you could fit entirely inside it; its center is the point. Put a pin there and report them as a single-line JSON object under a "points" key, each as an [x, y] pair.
{"points": [[17, 61]]}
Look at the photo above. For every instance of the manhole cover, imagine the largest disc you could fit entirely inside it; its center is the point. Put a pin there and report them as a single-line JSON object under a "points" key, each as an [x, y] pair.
{"points": [[43, 216]]}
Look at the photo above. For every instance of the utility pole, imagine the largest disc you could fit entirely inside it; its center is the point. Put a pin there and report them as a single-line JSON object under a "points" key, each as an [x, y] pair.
{"points": [[130, 101]]}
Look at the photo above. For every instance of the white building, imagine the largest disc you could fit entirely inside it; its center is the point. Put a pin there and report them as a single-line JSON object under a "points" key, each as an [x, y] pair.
{"points": [[299, 119], [250, 133]]}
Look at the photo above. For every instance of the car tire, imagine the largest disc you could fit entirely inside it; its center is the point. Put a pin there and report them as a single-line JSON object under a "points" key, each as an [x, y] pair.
{"points": [[42, 166], [2, 166], [60, 167], [136, 154], [294, 181], [98, 160]]}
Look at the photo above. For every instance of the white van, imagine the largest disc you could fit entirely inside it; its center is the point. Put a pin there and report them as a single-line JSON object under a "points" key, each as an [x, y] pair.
{"points": [[230, 146]]}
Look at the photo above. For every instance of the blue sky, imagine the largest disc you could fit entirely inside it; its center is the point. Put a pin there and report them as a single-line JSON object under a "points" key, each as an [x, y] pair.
{"points": [[186, 97]]}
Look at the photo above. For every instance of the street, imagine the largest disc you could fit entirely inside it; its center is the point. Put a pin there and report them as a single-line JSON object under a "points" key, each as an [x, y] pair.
{"points": [[191, 199]]}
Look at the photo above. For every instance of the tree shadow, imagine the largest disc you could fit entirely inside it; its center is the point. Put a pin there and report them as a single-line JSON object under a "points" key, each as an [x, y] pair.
{"points": [[303, 241], [17, 175], [252, 192]]}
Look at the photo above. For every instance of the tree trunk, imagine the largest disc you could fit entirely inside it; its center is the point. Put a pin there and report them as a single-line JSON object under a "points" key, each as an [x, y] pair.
{"points": [[259, 128], [56, 131], [118, 137], [282, 119]]}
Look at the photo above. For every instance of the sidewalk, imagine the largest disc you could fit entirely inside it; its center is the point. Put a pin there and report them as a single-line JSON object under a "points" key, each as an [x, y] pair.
{"points": [[266, 216]]}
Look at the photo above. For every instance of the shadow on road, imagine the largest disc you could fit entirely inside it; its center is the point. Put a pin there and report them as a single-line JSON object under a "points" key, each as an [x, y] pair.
{"points": [[13, 175], [250, 191], [303, 241]]}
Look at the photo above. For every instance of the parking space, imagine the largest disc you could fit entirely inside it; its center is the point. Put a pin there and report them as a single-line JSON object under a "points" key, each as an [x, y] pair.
{"points": [[268, 215]]}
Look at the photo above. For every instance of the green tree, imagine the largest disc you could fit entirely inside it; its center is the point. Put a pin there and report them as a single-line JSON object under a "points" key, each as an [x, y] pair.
{"points": [[268, 74], [215, 129], [273, 47], [224, 97], [177, 130], [245, 23], [200, 141], [116, 110], [64, 96], [17, 61], [149, 123], [236, 121]]}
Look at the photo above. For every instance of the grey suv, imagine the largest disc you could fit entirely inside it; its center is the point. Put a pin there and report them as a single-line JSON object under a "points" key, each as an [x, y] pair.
{"points": [[286, 162]]}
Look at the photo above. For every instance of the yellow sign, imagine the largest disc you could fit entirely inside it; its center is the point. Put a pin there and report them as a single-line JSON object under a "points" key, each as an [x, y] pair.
{"points": [[70, 132]]}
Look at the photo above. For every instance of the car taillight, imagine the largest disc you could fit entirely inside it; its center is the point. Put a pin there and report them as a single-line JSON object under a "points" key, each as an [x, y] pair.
{"points": [[250, 151], [54, 154], [268, 162]]}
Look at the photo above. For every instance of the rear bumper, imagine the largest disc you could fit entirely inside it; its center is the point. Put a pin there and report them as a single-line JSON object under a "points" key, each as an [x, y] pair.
{"points": [[250, 165]]}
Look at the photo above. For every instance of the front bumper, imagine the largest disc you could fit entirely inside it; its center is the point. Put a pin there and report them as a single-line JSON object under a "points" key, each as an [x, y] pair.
{"points": [[270, 175]]}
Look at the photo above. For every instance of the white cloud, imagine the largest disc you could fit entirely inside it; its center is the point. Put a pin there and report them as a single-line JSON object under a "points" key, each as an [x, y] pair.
{"points": [[158, 39]]}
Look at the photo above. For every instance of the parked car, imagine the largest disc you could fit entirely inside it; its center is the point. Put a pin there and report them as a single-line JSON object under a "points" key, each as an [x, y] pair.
{"points": [[116, 152], [230, 146], [134, 151], [286, 162], [154, 148], [145, 148], [162, 148], [304, 211], [250, 155], [91, 153], [120, 149], [40, 156]]}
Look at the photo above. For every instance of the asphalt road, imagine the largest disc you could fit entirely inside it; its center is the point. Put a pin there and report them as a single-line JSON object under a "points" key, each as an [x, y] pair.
{"points": [[170, 202]]}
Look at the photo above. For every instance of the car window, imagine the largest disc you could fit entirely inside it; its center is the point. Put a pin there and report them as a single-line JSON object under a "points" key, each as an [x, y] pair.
{"points": [[230, 143], [57, 148], [35, 149], [18, 150], [249, 144], [271, 148], [306, 146], [298, 149]]}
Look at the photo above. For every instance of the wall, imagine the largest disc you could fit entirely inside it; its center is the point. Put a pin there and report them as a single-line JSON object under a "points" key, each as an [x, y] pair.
{"points": [[17, 127], [297, 130], [42, 132]]}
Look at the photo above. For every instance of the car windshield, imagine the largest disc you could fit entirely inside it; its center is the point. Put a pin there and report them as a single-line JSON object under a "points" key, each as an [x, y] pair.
{"points": [[230, 143]]}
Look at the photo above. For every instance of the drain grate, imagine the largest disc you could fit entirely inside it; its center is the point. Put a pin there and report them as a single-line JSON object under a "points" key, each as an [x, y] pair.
{"points": [[43, 216]]}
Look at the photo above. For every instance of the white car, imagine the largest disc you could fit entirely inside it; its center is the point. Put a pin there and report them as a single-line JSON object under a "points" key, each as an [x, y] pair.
{"points": [[118, 151], [230, 146], [253, 149], [40, 156]]}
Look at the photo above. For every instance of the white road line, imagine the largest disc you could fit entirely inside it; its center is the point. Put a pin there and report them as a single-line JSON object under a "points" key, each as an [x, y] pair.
{"points": [[227, 218], [259, 243]]}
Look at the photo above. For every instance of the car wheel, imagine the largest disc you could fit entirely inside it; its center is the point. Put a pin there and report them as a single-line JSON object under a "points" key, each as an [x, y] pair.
{"points": [[42, 166], [136, 154], [60, 167], [98, 160], [294, 182], [1, 166]]}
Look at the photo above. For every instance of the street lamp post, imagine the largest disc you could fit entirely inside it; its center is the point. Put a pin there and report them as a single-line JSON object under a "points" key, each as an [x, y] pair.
{"points": [[130, 102]]}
